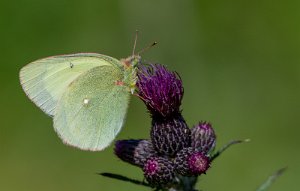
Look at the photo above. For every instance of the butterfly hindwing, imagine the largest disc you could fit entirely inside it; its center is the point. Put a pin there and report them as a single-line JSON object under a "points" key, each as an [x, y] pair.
{"points": [[92, 110]]}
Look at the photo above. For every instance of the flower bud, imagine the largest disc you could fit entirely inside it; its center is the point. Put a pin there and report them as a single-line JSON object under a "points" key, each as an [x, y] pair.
{"points": [[189, 162], [169, 136], [203, 137], [135, 152], [158, 171]]}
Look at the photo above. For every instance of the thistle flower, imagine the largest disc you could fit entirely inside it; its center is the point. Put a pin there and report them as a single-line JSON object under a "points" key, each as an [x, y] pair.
{"points": [[203, 137], [175, 155], [189, 162], [160, 89], [135, 152], [158, 171]]}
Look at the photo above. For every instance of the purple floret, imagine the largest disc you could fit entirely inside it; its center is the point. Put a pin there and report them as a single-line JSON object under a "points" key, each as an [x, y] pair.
{"points": [[160, 89]]}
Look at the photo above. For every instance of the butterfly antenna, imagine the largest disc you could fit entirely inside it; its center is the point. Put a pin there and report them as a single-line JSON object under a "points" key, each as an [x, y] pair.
{"points": [[135, 40], [147, 48]]}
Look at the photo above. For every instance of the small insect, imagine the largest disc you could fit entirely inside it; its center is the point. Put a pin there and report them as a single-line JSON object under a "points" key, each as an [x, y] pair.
{"points": [[88, 103]]}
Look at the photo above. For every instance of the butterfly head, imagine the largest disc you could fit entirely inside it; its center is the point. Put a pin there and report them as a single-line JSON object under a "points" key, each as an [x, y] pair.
{"points": [[131, 64], [135, 58], [131, 61]]}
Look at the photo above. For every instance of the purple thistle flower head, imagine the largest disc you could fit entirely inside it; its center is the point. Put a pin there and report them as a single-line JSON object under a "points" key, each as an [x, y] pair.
{"points": [[135, 152], [160, 89]]}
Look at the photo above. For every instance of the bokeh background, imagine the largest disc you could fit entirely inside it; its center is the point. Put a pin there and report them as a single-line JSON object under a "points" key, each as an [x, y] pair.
{"points": [[240, 65]]}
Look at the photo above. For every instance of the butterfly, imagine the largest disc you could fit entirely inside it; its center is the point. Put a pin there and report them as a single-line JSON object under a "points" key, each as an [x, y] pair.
{"points": [[86, 94]]}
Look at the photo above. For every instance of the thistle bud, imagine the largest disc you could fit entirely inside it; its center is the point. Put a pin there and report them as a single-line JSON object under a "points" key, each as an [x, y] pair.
{"points": [[158, 171], [189, 162], [135, 152], [203, 137], [169, 136]]}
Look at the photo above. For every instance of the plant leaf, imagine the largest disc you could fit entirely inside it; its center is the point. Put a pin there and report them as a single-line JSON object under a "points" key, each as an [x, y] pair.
{"points": [[124, 178], [225, 147], [271, 179]]}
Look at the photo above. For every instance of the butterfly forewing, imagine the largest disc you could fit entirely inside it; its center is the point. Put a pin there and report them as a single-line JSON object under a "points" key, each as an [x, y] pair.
{"points": [[45, 80]]}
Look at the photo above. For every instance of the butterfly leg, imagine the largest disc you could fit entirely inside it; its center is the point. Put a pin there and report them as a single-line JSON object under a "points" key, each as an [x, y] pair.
{"points": [[131, 88]]}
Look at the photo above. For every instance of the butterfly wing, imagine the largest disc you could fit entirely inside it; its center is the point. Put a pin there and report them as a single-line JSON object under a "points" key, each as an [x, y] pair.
{"points": [[45, 80], [91, 112]]}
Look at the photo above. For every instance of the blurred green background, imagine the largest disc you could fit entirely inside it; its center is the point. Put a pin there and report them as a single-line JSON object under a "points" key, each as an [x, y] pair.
{"points": [[240, 65]]}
